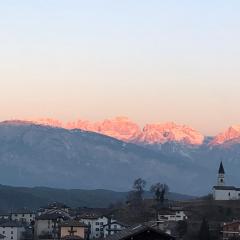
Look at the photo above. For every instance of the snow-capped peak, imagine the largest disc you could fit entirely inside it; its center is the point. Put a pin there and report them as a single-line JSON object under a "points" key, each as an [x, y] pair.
{"points": [[231, 134], [124, 129], [170, 132]]}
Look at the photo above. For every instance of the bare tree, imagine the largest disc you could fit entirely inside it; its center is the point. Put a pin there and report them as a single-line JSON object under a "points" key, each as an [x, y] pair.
{"points": [[160, 190], [138, 188], [135, 200]]}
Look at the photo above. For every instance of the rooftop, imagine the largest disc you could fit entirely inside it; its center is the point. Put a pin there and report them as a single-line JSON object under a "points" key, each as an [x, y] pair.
{"points": [[89, 216], [57, 205], [117, 222], [226, 188], [51, 216], [12, 224], [72, 223], [130, 232]]}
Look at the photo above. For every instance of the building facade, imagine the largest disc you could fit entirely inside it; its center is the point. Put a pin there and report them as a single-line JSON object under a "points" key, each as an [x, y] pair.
{"points": [[222, 191], [23, 215], [47, 226], [96, 224], [231, 230], [12, 230], [172, 215], [113, 227], [72, 228]]}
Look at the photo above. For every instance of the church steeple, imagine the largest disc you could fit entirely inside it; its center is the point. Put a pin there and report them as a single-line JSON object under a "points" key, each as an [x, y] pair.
{"points": [[221, 173], [221, 169]]}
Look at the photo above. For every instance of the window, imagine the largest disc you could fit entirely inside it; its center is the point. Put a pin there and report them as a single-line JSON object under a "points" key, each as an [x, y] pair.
{"points": [[11, 232], [97, 223], [229, 194], [97, 229], [101, 223], [22, 215], [30, 215], [11, 237], [3, 232]]}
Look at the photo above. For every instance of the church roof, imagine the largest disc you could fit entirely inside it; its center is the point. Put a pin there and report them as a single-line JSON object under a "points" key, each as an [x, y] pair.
{"points": [[226, 188], [221, 169]]}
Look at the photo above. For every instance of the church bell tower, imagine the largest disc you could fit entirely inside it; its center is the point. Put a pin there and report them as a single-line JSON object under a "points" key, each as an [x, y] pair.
{"points": [[221, 173]]}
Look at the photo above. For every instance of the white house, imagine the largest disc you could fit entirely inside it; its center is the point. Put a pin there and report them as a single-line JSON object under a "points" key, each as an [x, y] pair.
{"points": [[172, 215], [96, 224], [222, 191], [23, 215], [12, 230], [113, 227]]}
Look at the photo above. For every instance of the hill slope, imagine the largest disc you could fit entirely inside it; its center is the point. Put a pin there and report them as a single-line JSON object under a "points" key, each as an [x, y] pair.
{"points": [[36, 155], [13, 198]]}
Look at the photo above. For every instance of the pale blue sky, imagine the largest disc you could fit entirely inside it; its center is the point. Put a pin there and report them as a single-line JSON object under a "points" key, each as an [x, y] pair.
{"points": [[153, 61]]}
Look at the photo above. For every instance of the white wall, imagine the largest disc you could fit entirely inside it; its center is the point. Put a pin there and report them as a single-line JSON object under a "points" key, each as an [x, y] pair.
{"points": [[12, 233], [114, 227], [177, 216], [24, 217], [96, 226], [43, 227], [226, 194]]}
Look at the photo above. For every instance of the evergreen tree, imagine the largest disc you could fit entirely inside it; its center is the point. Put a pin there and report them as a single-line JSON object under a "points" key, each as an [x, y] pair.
{"points": [[204, 233]]}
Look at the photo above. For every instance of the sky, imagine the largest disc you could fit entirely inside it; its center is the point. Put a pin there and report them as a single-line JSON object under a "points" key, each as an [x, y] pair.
{"points": [[153, 61]]}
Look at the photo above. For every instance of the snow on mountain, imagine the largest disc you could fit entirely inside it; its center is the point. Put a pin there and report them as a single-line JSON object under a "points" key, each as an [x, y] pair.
{"points": [[122, 128], [170, 132], [232, 134]]}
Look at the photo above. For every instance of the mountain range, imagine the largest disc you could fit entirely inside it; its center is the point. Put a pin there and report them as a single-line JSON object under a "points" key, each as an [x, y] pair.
{"points": [[112, 153], [122, 128]]}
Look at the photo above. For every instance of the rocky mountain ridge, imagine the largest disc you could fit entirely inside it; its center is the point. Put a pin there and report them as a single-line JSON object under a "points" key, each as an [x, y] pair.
{"points": [[122, 128]]}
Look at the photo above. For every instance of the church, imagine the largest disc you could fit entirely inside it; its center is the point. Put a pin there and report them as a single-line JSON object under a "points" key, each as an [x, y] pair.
{"points": [[222, 191]]}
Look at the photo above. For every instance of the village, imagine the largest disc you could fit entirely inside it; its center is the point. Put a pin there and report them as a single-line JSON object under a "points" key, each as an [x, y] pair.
{"points": [[216, 216]]}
